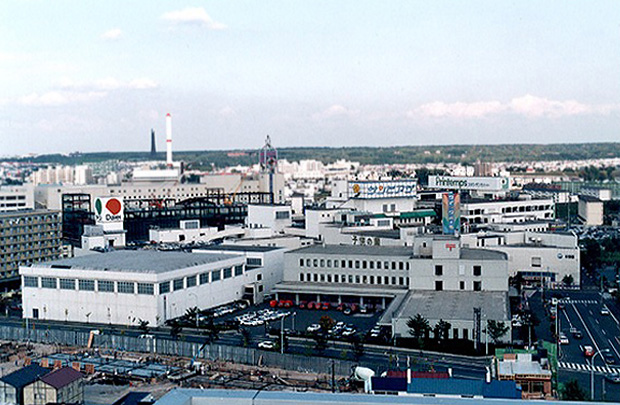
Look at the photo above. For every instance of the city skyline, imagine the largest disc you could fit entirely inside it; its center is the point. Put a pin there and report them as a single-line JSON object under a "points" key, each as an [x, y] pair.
{"points": [[93, 76]]}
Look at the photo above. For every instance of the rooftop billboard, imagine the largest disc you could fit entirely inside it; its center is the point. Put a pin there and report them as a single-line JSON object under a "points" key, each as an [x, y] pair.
{"points": [[469, 183], [382, 189]]}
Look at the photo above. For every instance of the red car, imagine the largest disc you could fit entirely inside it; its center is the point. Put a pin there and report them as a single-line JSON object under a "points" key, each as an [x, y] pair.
{"points": [[588, 351], [302, 304]]}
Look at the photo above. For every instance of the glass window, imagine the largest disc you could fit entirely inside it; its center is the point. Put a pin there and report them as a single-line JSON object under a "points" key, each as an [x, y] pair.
{"points": [[477, 270], [438, 285], [401, 266], [86, 285], [216, 275], [357, 264], [67, 284], [254, 261], [336, 262], [371, 264], [164, 287], [238, 270], [477, 285], [322, 263], [228, 272], [48, 282], [329, 263], [301, 262], [105, 286], [438, 270], [177, 284], [379, 265], [301, 276], [126, 287], [31, 281], [336, 278], [462, 285], [343, 263], [204, 278], [146, 288], [190, 281], [536, 262]]}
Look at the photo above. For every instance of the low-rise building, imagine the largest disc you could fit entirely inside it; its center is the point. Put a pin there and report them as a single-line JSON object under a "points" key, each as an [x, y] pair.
{"points": [[12, 385], [124, 287], [62, 386], [477, 211], [590, 210], [534, 377]]}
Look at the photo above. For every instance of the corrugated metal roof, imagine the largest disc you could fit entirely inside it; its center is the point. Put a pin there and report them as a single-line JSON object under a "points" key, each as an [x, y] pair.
{"points": [[24, 376], [61, 377]]}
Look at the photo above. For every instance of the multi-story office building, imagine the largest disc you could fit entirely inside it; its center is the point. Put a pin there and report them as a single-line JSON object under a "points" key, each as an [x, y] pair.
{"points": [[474, 211], [436, 278], [28, 237], [16, 198]]}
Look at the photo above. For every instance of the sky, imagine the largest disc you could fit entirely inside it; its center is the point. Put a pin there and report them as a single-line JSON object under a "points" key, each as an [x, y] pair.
{"points": [[93, 76]]}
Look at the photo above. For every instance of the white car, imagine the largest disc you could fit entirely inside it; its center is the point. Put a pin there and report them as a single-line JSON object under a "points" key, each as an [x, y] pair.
{"points": [[563, 339], [315, 327], [604, 311], [266, 345]]}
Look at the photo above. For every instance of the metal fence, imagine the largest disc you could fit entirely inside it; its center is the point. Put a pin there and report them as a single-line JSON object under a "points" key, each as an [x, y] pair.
{"points": [[213, 352]]}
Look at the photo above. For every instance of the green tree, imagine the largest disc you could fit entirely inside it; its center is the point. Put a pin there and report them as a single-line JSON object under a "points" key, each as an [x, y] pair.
{"points": [[192, 314], [143, 326], [175, 329], [357, 346], [326, 323], [418, 327], [496, 330], [442, 329], [572, 391], [246, 336]]}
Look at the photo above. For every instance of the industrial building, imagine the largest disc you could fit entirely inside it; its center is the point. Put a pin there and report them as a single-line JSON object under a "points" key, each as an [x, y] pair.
{"points": [[28, 237], [124, 287]]}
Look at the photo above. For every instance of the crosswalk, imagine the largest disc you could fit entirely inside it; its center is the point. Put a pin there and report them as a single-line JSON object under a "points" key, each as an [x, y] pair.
{"points": [[580, 301], [588, 368]]}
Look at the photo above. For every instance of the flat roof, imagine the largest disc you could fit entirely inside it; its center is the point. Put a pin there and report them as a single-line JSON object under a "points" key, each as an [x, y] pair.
{"points": [[240, 248], [379, 233], [356, 250], [24, 212], [454, 305], [482, 254], [137, 261]]}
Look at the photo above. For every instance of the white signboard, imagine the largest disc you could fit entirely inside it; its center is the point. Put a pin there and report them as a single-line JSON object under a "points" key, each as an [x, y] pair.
{"points": [[469, 183], [382, 189], [108, 210]]}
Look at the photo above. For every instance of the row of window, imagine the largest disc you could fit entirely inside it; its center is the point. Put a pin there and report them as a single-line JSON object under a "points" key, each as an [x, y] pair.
{"points": [[477, 270], [202, 278], [477, 285], [353, 279], [354, 264], [128, 287], [123, 287]]}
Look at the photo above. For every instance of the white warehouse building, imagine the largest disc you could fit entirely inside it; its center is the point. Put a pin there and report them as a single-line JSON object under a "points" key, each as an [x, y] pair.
{"points": [[124, 287]]}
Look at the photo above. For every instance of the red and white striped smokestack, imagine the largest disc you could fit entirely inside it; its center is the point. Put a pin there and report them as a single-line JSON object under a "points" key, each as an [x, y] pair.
{"points": [[168, 140]]}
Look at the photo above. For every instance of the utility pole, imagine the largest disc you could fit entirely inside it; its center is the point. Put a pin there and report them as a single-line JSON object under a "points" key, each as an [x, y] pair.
{"points": [[333, 375], [282, 335]]}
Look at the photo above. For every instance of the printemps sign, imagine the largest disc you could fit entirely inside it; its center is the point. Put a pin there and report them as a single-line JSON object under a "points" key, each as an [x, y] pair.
{"points": [[469, 183], [108, 210]]}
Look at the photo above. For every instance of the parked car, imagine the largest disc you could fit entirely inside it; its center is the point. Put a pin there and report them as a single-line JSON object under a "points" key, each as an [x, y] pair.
{"points": [[315, 327], [266, 345]]}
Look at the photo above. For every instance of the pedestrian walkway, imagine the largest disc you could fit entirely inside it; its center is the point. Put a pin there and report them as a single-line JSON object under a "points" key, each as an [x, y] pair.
{"points": [[588, 368], [580, 301]]}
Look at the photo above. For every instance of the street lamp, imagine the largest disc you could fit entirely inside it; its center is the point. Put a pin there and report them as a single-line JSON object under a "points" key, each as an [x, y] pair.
{"points": [[592, 372]]}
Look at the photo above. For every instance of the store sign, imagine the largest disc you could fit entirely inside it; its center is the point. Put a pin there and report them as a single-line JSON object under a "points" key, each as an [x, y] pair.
{"points": [[451, 215], [382, 189], [108, 210], [469, 183]]}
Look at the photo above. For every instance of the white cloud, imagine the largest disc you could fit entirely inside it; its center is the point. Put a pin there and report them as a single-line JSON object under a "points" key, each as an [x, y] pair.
{"points": [[193, 16], [113, 34], [336, 110], [458, 110], [109, 83], [227, 112], [57, 98], [528, 106]]}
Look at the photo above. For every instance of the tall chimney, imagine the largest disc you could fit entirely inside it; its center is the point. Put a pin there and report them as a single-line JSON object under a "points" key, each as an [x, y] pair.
{"points": [[168, 140], [153, 148]]}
